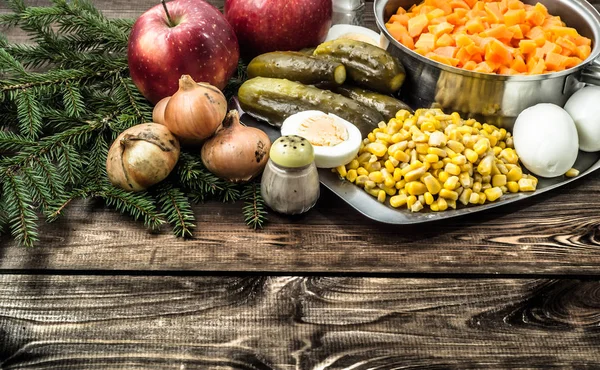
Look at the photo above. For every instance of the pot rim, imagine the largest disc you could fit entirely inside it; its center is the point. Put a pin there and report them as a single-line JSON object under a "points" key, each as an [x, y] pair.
{"points": [[583, 6]]}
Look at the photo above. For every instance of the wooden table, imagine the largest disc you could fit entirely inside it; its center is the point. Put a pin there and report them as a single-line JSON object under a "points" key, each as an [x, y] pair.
{"points": [[516, 287]]}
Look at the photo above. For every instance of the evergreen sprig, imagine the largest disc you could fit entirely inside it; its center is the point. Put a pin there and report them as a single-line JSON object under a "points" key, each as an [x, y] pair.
{"points": [[63, 99]]}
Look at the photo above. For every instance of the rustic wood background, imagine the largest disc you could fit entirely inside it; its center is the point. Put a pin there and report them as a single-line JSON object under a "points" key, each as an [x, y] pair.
{"points": [[514, 288]]}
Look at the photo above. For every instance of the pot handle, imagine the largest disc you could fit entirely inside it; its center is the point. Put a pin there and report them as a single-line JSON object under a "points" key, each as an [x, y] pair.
{"points": [[591, 74]]}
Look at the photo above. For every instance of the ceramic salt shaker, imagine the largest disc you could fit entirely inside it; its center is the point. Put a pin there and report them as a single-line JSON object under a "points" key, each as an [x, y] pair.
{"points": [[290, 181]]}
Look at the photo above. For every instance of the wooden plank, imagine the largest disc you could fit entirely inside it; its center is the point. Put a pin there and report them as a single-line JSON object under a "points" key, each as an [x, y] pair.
{"points": [[556, 233], [117, 322]]}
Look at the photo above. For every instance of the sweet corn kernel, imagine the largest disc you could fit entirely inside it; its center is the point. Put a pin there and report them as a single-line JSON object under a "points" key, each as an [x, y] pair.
{"points": [[415, 174], [376, 166], [371, 137], [370, 184], [353, 165], [400, 184], [362, 171], [443, 176], [401, 156], [485, 165], [526, 185], [448, 194], [482, 146], [476, 186], [512, 186], [415, 188], [451, 183], [441, 153], [493, 194], [351, 175], [341, 170], [383, 137], [410, 201], [398, 200], [509, 155], [499, 180], [465, 196], [434, 207], [455, 146], [397, 174], [437, 165], [459, 160], [572, 172], [452, 169], [482, 198], [474, 198], [485, 186], [471, 155], [433, 185], [465, 180], [377, 149], [362, 180], [504, 189], [497, 150], [376, 176], [428, 198], [442, 204], [381, 196], [416, 207], [364, 157], [432, 158]]}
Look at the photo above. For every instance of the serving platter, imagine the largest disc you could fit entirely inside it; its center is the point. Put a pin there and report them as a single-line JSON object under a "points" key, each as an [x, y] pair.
{"points": [[367, 205]]}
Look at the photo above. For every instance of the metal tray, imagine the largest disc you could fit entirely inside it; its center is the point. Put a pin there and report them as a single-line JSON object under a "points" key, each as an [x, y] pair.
{"points": [[367, 205]]}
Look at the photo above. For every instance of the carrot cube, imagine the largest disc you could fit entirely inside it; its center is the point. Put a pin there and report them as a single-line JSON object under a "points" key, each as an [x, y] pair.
{"points": [[527, 46], [470, 65], [440, 29], [518, 64], [534, 17], [555, 61], [583, 52], [426, 41], [400, 18], [445, 40], [517, 32], [514, 17]]}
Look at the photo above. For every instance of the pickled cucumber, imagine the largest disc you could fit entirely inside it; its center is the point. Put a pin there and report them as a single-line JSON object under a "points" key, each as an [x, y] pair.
{"points": [[384, 104], [273, 100], [296, 66], [366, 64]]}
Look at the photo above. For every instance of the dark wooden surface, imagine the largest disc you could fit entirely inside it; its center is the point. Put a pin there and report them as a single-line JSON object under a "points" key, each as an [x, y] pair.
{"points": [[514, 288]]}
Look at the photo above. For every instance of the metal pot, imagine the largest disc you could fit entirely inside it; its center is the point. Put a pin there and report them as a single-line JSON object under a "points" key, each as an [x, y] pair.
{"points": [[492, 98]]}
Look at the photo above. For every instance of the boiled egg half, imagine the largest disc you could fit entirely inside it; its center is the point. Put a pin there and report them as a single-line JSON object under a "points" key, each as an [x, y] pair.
{"points": [[545, 139], [358, 33], [335, 140]]}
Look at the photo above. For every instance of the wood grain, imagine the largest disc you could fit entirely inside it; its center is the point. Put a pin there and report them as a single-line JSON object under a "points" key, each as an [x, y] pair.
{"points": [[555, 233], [130, 322]]}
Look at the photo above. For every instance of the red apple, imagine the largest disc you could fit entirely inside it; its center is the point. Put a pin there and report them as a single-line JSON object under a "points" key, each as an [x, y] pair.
{"points": [[197, 40], [269, 25]]}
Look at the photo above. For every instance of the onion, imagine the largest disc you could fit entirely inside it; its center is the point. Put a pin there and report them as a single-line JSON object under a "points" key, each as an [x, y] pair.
{"points": [[158, 113], [195, 111], [142, 156], [236, 153]]}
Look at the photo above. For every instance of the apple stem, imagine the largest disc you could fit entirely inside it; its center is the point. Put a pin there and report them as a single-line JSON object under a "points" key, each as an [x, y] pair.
{"points": [[167, 12]]}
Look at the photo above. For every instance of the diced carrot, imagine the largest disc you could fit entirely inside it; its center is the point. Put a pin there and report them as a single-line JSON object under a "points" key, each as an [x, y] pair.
{"points": [[463, 56], [583, 52], [459, 4], [426, 41], [538, 35], [470, 65], [534, 17], [555, 62], [562, 31], [514, 17], [499, 32], [571, 62], [490, 36], [485, 67], [580, 40], [565, 43], [475, 25], [445, 40], [400, 18], [436, 13], [527, 46], [441, 29], [417, 24], [515, 4], [538, 68], [518, 64], [493, 13], [446, 51], [463, 40], [517, 32]]}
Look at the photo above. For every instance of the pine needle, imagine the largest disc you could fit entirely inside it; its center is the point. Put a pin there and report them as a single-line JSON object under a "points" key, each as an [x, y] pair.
{"points": [[19, 209], [254, 210], [176, 207]]}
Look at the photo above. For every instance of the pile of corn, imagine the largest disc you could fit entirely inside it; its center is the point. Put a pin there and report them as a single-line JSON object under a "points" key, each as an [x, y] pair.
{"points": [[435, 159]]}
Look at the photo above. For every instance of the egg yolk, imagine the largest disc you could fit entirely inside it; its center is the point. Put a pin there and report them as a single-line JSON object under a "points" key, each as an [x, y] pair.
{"points": [[323, 130]]}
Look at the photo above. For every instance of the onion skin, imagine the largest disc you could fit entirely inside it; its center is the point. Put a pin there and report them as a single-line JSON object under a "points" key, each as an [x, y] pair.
{"points": [[236, 153], [142, 156], [195, 111], [158, 113]]}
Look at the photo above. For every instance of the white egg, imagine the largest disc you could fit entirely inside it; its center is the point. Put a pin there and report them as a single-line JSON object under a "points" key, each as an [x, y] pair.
{"points": [[358, 33], [584, 108], [545, 139], [335, 140]]}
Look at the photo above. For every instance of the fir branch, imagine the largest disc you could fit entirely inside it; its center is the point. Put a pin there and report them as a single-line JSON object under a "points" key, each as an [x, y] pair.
{"points": [[137, 205], [39, 189], [29, 114], [196, 178], [11, 142], [56, 208], [19, 209], [73, 101], [10, 64], [48, 171], [95, 159], [69, 164], [130, 101], [176, 207], [254, 210]]}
